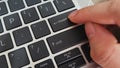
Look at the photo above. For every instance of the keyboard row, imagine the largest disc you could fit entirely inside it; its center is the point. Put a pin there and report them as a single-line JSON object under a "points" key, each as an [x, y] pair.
{"points": [[56, 42], [15, 5], [72, 58]]}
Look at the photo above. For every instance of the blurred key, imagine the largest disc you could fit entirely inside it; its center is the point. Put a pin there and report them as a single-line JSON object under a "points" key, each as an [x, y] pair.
{"points": [[12, 21], [46, 9], [22, 36], [29, 15], [15, 5], [60, 22], [67, 39], [5, 42], [38, 50], [32, 2], [3, 8], [63, 4], [45, 64], [40, 29], [18, 58], [86, 51], [45, 0], [75, 63], [67, 56], [3, 62]]}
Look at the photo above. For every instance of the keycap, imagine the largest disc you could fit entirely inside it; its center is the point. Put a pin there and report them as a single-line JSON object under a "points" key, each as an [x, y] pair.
{"points": [[29, 15], [40, 29], [46, 64], [45, 0], [1, 27], [86, 51], [22, 36], [15, 5], [60, 22], [38, 50], [32, 2], [67, 39], [18, 58], [63, 4], [3, 8], [76, 63], [3, 62], [12, 21], [5, 42], [67, 56], [46, 9]]}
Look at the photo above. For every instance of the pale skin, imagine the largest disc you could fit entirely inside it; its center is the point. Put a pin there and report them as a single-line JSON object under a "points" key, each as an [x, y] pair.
{"points": [[105, 50]]}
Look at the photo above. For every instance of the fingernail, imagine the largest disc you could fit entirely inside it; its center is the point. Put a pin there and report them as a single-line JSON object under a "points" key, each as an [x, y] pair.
{"points": [[90, 30], [73, 13]]}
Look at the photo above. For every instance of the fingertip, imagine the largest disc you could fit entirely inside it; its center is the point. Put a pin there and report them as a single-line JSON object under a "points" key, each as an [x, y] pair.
{"points": [[72, 16]]}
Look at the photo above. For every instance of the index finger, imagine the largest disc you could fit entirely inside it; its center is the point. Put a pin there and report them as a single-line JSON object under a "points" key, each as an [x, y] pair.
{"points": [[98, 13]]}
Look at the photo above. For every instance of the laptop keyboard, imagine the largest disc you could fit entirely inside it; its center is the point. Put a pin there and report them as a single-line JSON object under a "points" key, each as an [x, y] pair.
{"points": [[38, 34]]}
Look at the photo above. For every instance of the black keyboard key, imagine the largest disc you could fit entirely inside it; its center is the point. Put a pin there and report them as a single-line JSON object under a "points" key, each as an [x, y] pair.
{"points": [[29, 15], [40, 29], [66, 57], [18, 58], [45, 0], [86, 51], [12, 21], [1, 27], [38, 50], [5, 43], [46, 9], [60, 22], [22, 36], [15, 5], [3, 8], [67, 39], [45, 64], [3, 62], [76, 63], [32, 2], [63, 4]]}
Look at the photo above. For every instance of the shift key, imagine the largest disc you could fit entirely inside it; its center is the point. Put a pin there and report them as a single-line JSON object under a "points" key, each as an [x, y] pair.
{"points": [[60, 22], [67, 39]]}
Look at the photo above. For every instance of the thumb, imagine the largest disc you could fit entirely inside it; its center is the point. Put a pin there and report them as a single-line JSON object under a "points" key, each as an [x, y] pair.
{"points": [[104, 48], [99, 13]]}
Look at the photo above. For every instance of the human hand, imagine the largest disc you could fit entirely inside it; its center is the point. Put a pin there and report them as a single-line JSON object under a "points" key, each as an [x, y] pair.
{"points": [[104, 47]]}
